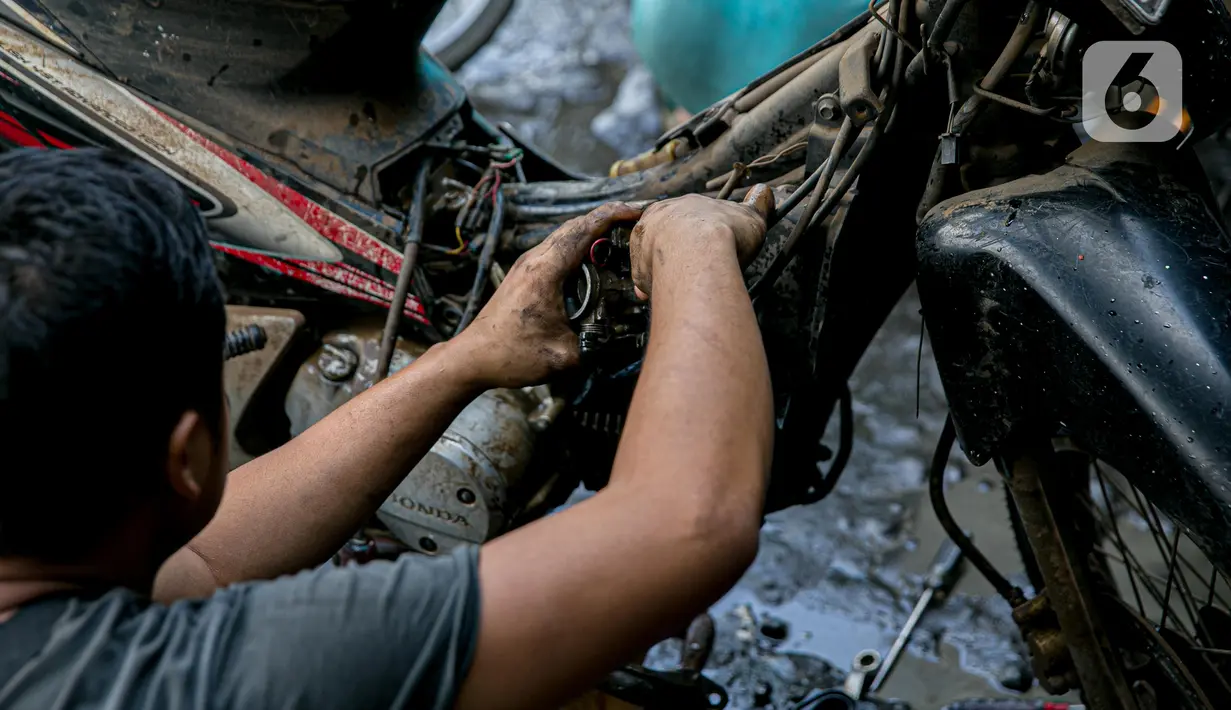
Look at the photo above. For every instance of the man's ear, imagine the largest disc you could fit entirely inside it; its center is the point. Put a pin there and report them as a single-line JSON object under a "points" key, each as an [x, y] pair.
{"points": [[187, 471]]}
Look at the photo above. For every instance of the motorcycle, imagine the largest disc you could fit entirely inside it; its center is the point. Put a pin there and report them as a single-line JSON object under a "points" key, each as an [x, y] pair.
{"points": [[1077, 292]]}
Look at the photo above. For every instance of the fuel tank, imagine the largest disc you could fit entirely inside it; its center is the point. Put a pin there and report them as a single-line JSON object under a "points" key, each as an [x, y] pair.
{"points": [[1094, 299]]}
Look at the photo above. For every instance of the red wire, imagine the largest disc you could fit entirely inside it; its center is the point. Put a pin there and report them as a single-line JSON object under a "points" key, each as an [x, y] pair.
{"points": [[494, 189], [594, 260]]}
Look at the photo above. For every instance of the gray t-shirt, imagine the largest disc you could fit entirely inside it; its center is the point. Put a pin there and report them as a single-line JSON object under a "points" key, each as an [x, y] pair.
{"points": [[383, 635]]}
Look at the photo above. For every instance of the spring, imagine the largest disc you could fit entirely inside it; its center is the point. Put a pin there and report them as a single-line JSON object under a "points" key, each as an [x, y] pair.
{"points": [[244, 340]]}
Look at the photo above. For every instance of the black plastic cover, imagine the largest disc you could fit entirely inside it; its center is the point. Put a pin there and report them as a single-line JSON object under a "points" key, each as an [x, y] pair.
{"points": [[1096, 298]]}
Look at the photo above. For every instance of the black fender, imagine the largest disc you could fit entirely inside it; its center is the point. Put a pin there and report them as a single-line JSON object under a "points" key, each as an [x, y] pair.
{"points": [[1094, 299]]}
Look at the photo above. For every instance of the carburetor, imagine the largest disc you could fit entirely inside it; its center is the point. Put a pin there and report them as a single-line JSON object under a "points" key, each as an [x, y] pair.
{"points": [[612, 323]]}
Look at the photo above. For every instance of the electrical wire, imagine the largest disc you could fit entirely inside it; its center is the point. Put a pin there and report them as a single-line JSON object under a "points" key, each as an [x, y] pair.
{"points": [[738, 172], [414, 237], [464, 212], [485, 261], [818, 210], [846, 444], [778, 265], [984, 88], [901, 38], [936, 490], [790, 203]]}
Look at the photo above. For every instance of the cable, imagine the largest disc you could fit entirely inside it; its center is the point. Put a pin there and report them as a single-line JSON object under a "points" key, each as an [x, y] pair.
{"points": [[936, 489], [892, 30], [778, 265], [464, 212], [846, 444], [738, 172], [1012, 51], [485, 262], [804, 189], [944, 24], [816, 213], [414, 237], [815, 216]]}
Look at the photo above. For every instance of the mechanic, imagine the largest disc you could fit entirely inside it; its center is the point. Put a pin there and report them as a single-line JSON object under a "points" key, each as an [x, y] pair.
{"points": [[129, 572]]}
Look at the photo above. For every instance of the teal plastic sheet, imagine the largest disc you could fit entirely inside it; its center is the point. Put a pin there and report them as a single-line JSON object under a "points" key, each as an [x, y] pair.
{"points": [[700, 51]]}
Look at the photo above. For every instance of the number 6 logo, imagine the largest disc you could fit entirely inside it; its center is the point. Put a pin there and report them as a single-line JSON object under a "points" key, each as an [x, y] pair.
{"points": [[1149, 78]]}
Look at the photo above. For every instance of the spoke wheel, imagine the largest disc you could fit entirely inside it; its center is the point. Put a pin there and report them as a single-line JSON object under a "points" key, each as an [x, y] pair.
{"points": [[1160, 676], [1162, 603]]}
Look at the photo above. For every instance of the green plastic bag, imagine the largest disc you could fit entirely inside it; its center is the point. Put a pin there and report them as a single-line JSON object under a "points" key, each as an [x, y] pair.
{"points": [[700, 51]]}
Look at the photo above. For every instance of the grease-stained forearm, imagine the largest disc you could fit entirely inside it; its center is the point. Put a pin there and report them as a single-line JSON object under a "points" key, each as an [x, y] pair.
{"points": [[295, 506], [569, 597]]}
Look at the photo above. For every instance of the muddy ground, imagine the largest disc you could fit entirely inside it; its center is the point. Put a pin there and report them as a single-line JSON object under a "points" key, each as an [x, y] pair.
{"points": [[832, 578]]}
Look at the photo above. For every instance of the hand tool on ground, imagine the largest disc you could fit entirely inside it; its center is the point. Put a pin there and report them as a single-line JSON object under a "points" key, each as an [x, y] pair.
{"points": [[683, 689], [864, 669], [1012, 704], [942, 577]]}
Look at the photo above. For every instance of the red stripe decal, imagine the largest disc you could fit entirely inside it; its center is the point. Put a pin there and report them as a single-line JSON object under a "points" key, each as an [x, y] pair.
{"points": [[329, 225], [319, 274], [55, 142], [12, 130], [360, 281]]}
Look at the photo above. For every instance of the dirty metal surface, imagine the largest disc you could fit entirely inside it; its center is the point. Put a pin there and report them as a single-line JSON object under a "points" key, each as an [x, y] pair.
{"points": [[317, 390], [471, 483], [244, 375], [334, 91], [247, 214], [1111, 276], [460, 492], [1045, 503], [832, 578]]}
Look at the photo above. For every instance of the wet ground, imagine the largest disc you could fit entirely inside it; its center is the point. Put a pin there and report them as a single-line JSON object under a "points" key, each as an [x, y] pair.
{"points": [[832, 578]]}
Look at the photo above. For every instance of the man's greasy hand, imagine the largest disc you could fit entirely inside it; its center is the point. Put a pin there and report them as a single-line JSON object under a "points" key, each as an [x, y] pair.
{"points": [[522, 336], [673, 228]]}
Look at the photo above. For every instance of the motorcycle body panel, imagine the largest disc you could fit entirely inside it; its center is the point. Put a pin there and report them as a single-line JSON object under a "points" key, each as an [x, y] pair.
{"points": [[336, 93], [1094, 299], [50, 100]]}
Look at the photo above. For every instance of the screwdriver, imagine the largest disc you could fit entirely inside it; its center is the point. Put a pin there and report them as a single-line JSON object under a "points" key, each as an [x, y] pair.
{"points": [[1012, 704], [942, 577]]}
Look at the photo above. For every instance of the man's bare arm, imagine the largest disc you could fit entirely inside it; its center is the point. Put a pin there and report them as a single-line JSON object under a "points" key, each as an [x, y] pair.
{"points": [[572, 596], [294, 507]]}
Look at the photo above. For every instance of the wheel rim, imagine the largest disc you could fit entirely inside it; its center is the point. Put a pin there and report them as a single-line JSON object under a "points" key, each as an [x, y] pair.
{"points": [[1173, 609], [451, 24]]}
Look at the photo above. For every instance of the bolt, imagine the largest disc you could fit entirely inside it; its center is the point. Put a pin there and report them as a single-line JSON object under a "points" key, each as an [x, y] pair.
{"points": [[337, 364], [427, 544], [863, 112], [466, 496], [828, 108]]}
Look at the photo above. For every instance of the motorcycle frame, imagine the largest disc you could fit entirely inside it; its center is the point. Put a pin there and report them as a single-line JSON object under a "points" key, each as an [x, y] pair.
{"points": [[874, 259]]}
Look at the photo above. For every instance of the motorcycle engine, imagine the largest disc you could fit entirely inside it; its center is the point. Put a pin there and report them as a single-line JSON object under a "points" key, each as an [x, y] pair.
{"points": [[473, 482]]}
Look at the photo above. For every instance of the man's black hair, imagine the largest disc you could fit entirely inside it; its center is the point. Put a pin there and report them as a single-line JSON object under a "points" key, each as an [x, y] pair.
{"points": [[111, 327]]}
